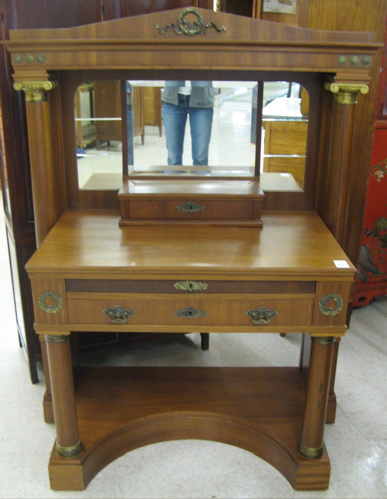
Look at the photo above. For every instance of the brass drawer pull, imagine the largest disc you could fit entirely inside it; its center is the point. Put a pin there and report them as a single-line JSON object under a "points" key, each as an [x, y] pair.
{"points": [[190, 207], [190, 286], [261, 315], [190, 313], [117, 314]]}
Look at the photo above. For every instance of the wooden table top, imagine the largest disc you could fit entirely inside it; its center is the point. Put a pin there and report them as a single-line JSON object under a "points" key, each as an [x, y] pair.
{"points": [[89, 243]]}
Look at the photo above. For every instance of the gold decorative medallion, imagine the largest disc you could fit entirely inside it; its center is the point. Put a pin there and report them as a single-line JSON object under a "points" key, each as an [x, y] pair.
{"points": [[50, 302], [190, 23], [329, 310]]}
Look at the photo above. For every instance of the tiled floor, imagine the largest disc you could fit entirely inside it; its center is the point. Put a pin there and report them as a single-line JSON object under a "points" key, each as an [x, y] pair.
{"points": [[357, 442]]}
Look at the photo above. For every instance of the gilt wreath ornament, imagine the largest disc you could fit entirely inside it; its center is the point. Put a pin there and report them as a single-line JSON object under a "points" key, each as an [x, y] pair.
{"points": [[187, 26], [331, 311]]}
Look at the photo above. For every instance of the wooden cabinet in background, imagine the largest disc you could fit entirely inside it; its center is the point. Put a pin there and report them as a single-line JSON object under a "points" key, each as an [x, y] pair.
{"points": [[152, 107], [285, 148], [85, 128], [107, 111], [138, 112]]}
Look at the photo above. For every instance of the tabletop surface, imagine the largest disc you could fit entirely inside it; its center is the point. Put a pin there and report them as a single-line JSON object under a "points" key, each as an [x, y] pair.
{"points": [[290, 243]]}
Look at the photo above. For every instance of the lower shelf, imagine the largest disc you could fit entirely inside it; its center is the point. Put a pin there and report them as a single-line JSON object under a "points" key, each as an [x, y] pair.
{"points": [[258, 409]]}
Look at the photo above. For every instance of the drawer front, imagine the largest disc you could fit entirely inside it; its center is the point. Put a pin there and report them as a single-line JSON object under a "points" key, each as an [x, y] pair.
{"points": [[223, 310], [190, 209]]}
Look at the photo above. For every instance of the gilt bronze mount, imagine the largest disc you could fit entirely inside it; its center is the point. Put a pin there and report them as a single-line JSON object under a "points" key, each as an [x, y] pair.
{"points": [[187, 26]]}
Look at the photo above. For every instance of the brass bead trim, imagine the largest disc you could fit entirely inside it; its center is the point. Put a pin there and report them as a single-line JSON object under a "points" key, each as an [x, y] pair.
{"points": [[56, 338], [354, 60], [30, 58], [69, 451], [323, 340], [310, 452], [36, 91], [342, 60]]}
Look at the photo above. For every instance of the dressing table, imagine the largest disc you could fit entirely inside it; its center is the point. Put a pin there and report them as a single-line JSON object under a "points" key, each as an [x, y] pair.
{"points": [[96, 271]]}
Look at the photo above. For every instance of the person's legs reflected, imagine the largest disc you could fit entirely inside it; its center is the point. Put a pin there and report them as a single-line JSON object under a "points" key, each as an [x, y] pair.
{"points": [[201, 126], [175, 118]]}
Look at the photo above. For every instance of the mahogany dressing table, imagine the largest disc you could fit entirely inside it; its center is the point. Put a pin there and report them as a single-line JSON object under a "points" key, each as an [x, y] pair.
{"points": [[92, 272]]}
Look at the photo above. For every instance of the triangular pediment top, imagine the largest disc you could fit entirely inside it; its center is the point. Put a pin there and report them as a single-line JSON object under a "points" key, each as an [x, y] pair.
{"points": [[238, 29]]}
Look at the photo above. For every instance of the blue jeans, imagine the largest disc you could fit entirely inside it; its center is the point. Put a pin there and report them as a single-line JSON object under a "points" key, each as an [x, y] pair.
{"points": [[175, 119]]}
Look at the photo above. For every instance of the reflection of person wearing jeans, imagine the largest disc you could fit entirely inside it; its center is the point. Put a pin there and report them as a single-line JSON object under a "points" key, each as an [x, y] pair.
{"points": [[179, 102]]}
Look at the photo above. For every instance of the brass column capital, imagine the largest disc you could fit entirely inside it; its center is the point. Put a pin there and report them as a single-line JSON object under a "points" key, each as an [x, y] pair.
{"points": [[36, 91], [346, 93]]}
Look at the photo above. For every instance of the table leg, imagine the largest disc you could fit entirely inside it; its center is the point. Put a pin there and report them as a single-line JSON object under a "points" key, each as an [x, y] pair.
{"points": [[63, 397], [311, 443]]}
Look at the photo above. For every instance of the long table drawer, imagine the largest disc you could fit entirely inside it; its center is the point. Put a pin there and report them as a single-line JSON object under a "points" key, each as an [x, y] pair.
{"points": [[216, 310]]}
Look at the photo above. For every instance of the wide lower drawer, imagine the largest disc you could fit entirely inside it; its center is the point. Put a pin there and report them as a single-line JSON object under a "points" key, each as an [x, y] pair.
{"points": [[221, 310]]}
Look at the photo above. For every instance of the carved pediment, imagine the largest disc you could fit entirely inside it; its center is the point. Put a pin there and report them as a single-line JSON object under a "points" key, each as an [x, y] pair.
{"points": [[192, 39]]}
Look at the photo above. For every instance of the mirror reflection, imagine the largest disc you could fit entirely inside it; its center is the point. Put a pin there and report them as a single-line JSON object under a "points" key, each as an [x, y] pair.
{"points": [[132, 127]]}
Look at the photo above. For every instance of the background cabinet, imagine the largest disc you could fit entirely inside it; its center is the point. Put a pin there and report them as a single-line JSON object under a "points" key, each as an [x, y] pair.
{"points": [[372, 269]]}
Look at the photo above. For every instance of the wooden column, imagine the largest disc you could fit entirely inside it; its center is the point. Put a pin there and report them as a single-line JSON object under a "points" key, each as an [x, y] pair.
{"points": [[44, 175], [63, 397], [340, 164], [311, 443]]}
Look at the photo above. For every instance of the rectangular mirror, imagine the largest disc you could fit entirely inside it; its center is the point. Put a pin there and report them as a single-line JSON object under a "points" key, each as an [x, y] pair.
{"points": [[254, 128]]}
